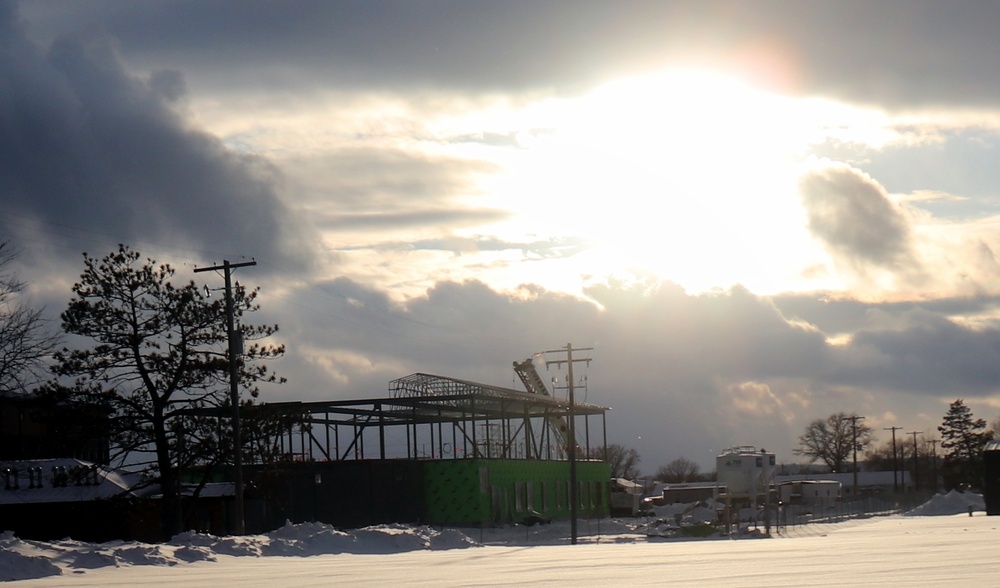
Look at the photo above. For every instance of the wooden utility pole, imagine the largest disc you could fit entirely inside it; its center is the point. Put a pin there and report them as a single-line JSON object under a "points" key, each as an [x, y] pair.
{"points": [[854, 445], [934, 475], [571, 449], [235, 350], [895, 467], [916, 463]]}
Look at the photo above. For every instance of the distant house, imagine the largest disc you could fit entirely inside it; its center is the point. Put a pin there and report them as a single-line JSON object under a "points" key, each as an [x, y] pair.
{"points": [[626, 497], [809, 492], [49, 499], [684, 493], [869, 483]]}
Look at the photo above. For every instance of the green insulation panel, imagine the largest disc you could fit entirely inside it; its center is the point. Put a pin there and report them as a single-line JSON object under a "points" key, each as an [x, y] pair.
{"points": [[487, 492]]}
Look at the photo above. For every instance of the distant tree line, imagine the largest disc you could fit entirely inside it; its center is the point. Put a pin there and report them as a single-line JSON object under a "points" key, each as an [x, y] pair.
{"points": [[833, 440]]}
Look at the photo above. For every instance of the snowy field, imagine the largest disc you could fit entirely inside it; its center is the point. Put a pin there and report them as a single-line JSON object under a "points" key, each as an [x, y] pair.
{"points": [[935, 544]]}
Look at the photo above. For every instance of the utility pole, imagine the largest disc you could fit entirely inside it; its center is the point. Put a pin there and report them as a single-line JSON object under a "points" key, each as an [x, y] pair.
{"points": [[571, 450], [895, 467], [235, 350], [854, 443], [934, 477], [916, 464]]}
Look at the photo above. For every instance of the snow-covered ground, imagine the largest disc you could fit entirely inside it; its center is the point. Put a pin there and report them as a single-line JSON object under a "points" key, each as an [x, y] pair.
{"points": [[936, 543]]}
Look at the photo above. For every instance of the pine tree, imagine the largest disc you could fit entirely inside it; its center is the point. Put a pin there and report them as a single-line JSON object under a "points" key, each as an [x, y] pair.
{"points": [[158, 356], [963, 438]]}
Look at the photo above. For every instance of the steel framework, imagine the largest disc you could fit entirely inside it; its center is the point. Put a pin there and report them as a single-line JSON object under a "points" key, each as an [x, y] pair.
{"points": [[433, 417]]}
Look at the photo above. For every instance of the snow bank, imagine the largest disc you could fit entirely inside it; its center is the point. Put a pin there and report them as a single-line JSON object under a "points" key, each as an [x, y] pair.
{"points": [[23, 559], [952, 503]]}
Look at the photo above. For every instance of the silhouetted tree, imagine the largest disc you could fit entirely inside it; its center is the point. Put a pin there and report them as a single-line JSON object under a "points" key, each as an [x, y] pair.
{"points": [[159, 360], [624, 461], [679, 471], [831, 440], [962, 438], [26, 343]]}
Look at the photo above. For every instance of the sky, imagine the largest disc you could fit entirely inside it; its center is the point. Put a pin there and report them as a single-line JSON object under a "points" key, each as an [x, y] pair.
{"points": [[936, 544], [754, 214]]}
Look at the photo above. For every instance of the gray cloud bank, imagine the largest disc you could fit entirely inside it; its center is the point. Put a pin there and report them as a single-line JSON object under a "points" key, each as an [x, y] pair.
{"points": [[85, 144], [902, 52], [684, 375]]}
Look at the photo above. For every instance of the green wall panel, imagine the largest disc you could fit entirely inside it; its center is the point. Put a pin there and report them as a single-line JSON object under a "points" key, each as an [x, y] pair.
{"points": [[479, 491]]}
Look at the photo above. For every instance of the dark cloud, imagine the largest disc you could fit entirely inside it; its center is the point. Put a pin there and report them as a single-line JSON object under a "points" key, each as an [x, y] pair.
{"points": [[833, 314], [852, 215], [86, 146], [922, 352], [897, 52], [684, 375], [688, 374]]}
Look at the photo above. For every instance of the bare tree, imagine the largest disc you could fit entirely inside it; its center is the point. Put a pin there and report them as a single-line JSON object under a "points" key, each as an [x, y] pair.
{"points": [[624, 461], [679, 471], [26, 343], [831, 440]]}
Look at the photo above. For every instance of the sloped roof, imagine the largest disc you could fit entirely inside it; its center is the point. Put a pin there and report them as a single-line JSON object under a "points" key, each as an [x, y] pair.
{"points": [[84, 481]]}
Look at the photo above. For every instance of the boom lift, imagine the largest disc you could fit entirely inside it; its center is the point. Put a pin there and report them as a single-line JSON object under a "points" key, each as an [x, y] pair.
{"points": [[534, 384]]}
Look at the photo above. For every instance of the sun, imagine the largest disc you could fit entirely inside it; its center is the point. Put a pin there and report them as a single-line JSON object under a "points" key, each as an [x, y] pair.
{"points": [[688, 175]]}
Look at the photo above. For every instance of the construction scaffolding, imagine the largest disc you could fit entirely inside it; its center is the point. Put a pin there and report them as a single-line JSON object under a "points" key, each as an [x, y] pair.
{"points": [[434, 417]]}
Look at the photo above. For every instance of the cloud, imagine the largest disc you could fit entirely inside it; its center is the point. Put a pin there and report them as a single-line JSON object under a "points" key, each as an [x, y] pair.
{"points": [[693, 373], [322, 110], [855, 219], [88, 146], [907, 53], [921, 352], [663, 360]]}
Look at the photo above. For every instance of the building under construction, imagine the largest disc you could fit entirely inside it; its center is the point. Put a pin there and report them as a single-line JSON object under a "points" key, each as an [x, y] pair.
{"points": [[437, 450]]}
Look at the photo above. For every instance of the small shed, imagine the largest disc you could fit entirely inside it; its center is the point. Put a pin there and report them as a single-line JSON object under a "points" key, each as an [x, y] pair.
{"points": [[809, 492], [626, 497]]}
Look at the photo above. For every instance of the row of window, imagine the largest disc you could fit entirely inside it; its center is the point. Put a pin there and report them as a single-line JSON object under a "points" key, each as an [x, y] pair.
{"points": [[555, 495]]}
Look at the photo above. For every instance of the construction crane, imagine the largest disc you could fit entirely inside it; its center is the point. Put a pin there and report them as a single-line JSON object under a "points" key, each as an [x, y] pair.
{"points": [[534, 384]]}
